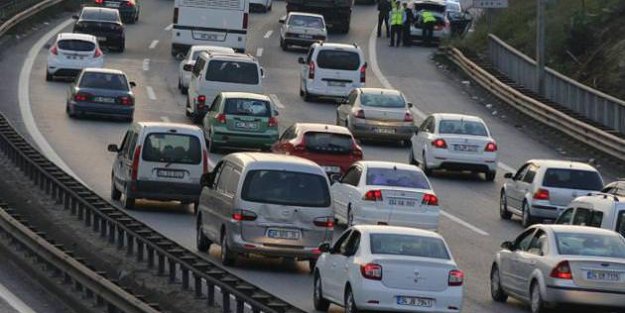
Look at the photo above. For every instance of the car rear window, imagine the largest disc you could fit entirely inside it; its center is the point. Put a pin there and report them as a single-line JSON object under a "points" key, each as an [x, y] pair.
{"points": [[306, 21], [382, 100], [590, 245], [461, 127], [99, 15], [103, 81], [328, 142], [248, 107], [233, 72], [397, 178], [408, 245], [453, 7], [75, 45], [286, 188], [572, 179], [338, 60], [172, 148]]}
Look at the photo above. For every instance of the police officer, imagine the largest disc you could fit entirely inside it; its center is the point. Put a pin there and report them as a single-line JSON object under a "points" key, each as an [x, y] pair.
{"points": [[408, 18], [384, 7], [427, 21], [397, 20]]}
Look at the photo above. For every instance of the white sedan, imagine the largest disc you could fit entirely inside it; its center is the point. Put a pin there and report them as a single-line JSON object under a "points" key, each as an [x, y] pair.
{"points": [[390, 269], [187, 64], [454, 142], [385, 193], [72, 52]]}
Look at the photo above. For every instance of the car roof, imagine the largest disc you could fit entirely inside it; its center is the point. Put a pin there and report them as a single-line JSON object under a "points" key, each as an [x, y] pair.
{"points": [[103, 70], [76, 36], [245, 95], [562, 164], [261, 160], [322, 128], [305, 14], [452, 116], [166, 126], [228, 56], [379, 91], [441, 2], [212, 48], [396, 230], [335, 45], [99, 10], [616, 202], [388, 165], [560, 228]]}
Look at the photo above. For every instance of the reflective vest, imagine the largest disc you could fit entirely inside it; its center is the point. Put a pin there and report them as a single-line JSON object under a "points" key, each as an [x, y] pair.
{"points": [[397, 16], [428, 17]]}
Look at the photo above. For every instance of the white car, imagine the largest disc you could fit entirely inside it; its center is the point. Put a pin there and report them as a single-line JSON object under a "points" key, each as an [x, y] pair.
{"points": [[385, 193], [454, 142], [302, 29], [186, 65], [390, 269], [70, 53]]}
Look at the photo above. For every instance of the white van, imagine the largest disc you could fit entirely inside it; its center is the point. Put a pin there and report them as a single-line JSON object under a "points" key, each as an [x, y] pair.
{"points": [[331, 70], [216, 72], [159, 161], [209, 22], [596, 210]]}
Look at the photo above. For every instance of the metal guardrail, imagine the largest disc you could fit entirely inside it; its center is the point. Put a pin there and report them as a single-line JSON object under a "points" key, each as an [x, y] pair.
{"points": [[28, 8], [591, 103], [582, 131], [62, 264]]}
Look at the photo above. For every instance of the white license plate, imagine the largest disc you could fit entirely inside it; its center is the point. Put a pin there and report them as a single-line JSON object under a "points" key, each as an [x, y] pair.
{"points": [[414, 301], [75, 57], [384, 130], [336, 84], [101, 38], [246, 125], [306, 36], [465, 148], [603, 276], [112, 4], [331, 169], [169, 174], [401, 202], [283, 234], [104, 99]]}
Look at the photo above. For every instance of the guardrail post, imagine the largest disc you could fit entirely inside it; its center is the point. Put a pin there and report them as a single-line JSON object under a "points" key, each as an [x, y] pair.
{"points": [[198, 286], [111, 227], [120, 238], [240, 305], [140, 250], [103, 224], [225, 299], [172, 270], [130, 241], [74, 205], [67, 202], [81, 211], [88, 217], [161, 264], [185, 277], [210, 293], [96, 223], [150, 257]]}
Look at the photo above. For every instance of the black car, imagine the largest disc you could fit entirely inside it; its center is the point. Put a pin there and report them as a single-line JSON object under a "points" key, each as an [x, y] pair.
{"points": [[103, 92], [128, 9], [103, 23]]}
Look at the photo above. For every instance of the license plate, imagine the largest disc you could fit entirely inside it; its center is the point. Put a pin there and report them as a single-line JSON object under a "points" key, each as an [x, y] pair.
{"points": [[465, 148], [101, 38], [331, 169], [306, 36], [603, 276], [246, 125], [401, 202], [414, 301], [283, 234], [104, 99], [336, 84], [169, 174], [384, 130], [74, 57], [112, 4]]}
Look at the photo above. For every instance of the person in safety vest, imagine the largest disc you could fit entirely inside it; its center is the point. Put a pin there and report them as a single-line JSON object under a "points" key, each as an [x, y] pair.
{"points": [[384, 7], [428, 20], [408, 18], [397, 20]]}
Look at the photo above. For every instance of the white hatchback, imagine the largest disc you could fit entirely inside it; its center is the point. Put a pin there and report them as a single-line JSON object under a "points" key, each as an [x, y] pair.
{"points": [[454, 142], [187, 64], [72, 52], [390, 269], [385, 193]]}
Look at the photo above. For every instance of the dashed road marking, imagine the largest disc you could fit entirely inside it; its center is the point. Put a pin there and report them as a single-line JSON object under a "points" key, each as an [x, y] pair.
{"points": [[268, 34], [169, 27], [259, 52], [151, 93], [276, 101], [463, 223], [165, 119], [146, 64], [153, 44]]}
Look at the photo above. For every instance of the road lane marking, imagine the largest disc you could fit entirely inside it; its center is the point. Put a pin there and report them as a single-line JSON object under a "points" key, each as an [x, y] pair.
{"points": [[463, 223], [151, 93], [146, 64], [268, 34], [165, 119], [15, 302], [169, 27], [259, 52], [153, 44], [25, 106], [276, 101]]}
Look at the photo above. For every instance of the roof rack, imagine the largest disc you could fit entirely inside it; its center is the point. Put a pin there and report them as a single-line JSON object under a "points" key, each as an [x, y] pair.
{"points": [[605, 195]]}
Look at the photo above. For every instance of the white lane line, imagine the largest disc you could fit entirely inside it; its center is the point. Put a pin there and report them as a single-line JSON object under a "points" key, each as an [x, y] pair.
{"points": [[146, 64], [151, 93], [14, 301], [268, 34], [153, 44], [276, 101], [24, 101], [259, 52], [463, 223], [169, 27], [165, 119]]}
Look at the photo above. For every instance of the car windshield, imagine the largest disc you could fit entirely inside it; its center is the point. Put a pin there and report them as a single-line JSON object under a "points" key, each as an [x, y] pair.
{"points": [[172, 148], [338, 60], [462, 127], [103, 81], [233, 72], [328, 142], [99, 15], [75, 45], [248, 107], [453, 7], [286, 188], [306, 21], [382, 100], [408, 245], [590, 245], [196, 53], [397, 178], [572, 179]]}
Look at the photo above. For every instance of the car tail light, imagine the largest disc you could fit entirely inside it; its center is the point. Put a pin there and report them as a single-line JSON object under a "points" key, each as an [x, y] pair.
{"points": [[81, 96], [456, 278], [175, 15], [373, 195], [126, 100], [371, 271], [439, 143], [128, 4], [97, 53], [99, 1], [221, 118], [54, 50], [430, 199], [327, 222], [204, 161], [273, 121], [311, 70], [243, 215], [408, 117], [491, 147], [363, 73], [359, 114], [541, 194], [135, 164], [245, 17], [201, 101], [562, 271]]}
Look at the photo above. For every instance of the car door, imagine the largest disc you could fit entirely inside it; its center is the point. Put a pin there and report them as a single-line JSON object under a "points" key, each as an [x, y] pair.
{"points": [[419, 141], [340, 192], [515, 278], [514, 194], [345, 108], [508, 257], [330, 283], [304, 67], [566, 217], [210, 207], [352, 189], [528, 260], [209, 118], [127, 160], [194, 84], [345, 260], [119, 161]]}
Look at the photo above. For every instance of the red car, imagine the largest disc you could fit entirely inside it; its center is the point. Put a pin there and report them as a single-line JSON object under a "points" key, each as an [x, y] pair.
{"points": [[332, 147]]}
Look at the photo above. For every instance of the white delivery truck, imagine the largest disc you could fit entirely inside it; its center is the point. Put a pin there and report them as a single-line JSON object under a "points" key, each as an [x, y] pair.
{"points": [[209, 22]]}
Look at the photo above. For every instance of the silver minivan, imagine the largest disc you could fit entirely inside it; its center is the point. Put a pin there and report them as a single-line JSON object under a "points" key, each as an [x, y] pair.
{"points": [[266, 204], [596, 210], [159, 161]]}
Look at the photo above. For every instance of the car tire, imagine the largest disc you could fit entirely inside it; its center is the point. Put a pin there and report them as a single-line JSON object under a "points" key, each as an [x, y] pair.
{"points": [[203, 244], [128, 202], [283, 45], [350, 303], [184, 90], [319, 302], [69, 112], [503, 207], [49, 77], [411, 159], [307, 97], [424, 166], [490, 175], [496, 292], [526, 218], [537, 305], [227, 257], [115, 194], [121, 47]]}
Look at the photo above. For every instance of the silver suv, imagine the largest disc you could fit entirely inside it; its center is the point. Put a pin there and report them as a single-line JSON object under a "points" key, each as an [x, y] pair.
{"points": [[542, 189]]}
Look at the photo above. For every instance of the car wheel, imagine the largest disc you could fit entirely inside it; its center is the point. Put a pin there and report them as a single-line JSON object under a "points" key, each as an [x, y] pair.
{"points": [[411, 159], [503, 207], [227, 257], [490, 175], [283, 45], [496, 292], [307, 96], [537, 305], [128, 202], [350, 303], [184, 90], [69, 111], [202, 242], [319, 302], [49, 77], [115, 194], [424, 166], [121, 47], [526, 218]]}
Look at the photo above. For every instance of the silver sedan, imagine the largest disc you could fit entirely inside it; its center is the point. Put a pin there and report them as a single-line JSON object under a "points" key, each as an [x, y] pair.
{"points": [[550, 265]]}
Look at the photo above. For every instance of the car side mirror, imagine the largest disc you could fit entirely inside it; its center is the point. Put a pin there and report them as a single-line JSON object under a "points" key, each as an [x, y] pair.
{"points": [[276, 112], [507, 175], [262, 72], [75, 16], [133, 84], [507, 245], [207, 180], [282, 20], [301, 60], [335, 178], [410, 105], [113, 148], [187, 68], [324, 247]]}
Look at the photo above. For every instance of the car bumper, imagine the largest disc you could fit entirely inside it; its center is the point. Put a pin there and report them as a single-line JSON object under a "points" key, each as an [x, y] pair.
{"points": [[546, 210], [322, 90], [244, 140], [457, 161], [58, 68], [376, 216], [582, 296], [165, 191], [382, 131], [114, 110], [238, 244], [449, 300], [298, 41]]}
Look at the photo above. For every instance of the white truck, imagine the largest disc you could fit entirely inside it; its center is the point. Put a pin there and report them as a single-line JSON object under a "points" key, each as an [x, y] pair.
{"points": [[209, 22]]}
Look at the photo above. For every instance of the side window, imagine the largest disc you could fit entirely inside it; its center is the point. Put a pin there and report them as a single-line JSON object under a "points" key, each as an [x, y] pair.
{"points": [[521, 172], [522, 242], [288, 134], [215, 105], [310, 53], [233, 182], [430, 126], [224, 176], [199, 65], [424, 125], [352, 243], [352, 97], [538, 245], [352, 177], [565, 217], [339, 242], [586, 217], [531, 173], [123, 148], [131, 146], [620, 223], [217, 171]]}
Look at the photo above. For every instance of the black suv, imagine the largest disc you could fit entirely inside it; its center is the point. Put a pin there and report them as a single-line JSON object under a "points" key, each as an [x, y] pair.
{"points": [[103, 23]]}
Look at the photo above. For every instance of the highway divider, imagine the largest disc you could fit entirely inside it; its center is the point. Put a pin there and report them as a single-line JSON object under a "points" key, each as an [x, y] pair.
{"points": [[28, 12]]}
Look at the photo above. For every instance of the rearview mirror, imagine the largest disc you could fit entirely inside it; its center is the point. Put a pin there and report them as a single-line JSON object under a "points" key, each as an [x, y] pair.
{"points": [[335, 178], [113, 148], [282, 20], [75, 16], [187, 67], [507, 245], [133, 84], [262, 72], [276, 112], [301, 60], [410, 105], [324, 247], [207, 180], [507, 175]]}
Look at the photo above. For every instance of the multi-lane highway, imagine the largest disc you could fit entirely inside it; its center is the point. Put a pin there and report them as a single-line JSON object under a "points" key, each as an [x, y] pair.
{"points": [[470, 221]]}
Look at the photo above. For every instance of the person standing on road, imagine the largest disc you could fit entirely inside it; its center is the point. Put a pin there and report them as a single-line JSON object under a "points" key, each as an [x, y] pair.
{"points": [[397, 19], [384, 8], [408, 18], [427, 20]]}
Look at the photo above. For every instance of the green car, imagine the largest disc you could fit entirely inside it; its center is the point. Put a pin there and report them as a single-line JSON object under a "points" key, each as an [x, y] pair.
{"points": [[241, 120]]}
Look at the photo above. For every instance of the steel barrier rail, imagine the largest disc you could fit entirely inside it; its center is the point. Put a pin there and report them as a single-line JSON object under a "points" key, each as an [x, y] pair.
{"points": [[20, 17], [581, 131], [108, 293]]}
